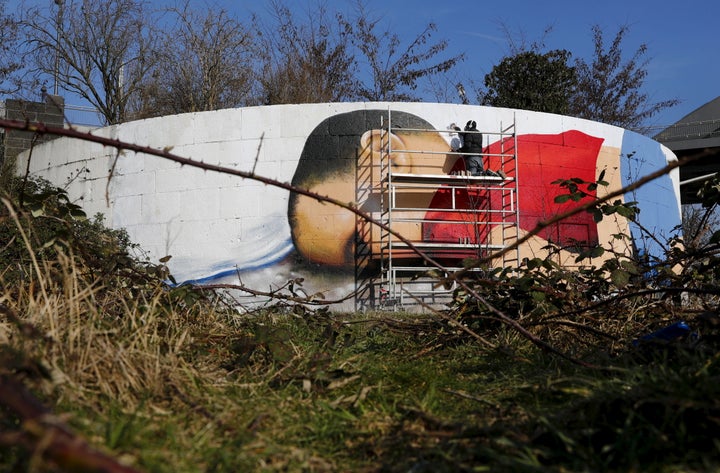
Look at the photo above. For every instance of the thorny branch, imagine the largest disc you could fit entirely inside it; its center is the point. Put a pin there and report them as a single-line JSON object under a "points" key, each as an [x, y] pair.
{"points": [[313, 299], [165, 153], [40, 431], [47, 436]]}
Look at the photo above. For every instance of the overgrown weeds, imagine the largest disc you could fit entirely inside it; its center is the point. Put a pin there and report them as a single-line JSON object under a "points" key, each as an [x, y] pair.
{"points": [[174, 379]]}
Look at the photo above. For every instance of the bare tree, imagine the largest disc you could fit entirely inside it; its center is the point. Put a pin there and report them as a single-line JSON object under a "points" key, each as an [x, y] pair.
{"points": [[318, 60], [610, 90], [206, 64], [305, 62], [9, 63], [699, 224], [395, 69], [97, 49], [606, 89]]}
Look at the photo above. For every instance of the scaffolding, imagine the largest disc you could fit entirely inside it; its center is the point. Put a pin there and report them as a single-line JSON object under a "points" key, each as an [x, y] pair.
{"points": [[453, 218]]}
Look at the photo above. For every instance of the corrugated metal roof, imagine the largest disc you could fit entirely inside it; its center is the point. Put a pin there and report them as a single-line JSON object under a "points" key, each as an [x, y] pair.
{"points": [[698, 129], [692, 134]]}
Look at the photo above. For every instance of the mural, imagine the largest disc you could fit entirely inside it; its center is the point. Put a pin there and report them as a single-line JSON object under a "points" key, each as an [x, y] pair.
{"points": [[223, 229], [541, 160], [332, 164], [342, 156]]}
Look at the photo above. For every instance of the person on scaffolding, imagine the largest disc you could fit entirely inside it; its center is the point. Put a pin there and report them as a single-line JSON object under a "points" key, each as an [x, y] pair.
{"points": [[472, 149]]}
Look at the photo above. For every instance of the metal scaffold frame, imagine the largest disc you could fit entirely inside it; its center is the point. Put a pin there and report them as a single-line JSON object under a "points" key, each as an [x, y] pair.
{"points": [[491, 221]]}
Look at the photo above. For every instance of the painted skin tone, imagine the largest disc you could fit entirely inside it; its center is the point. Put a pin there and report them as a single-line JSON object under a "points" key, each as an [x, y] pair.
{"points": [[326, 234]]}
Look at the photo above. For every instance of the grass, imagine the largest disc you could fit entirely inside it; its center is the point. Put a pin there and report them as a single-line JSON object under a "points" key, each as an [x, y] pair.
{"points": [[274, 393], [175, 380]]}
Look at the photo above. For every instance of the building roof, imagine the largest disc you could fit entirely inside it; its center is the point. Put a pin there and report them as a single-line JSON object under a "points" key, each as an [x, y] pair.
{"points": [[697, 132]]}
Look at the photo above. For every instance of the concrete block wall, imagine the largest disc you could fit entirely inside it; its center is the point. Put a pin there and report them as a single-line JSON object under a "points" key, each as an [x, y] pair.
{"points": [[49, 112], [225, 228]]}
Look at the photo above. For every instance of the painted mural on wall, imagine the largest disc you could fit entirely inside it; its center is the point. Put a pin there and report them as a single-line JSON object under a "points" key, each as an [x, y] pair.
{"points": [[222, 228], [332, 164]]}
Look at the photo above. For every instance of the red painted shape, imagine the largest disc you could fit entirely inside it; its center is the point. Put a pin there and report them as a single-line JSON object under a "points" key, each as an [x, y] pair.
{"points": [[541, 159]]}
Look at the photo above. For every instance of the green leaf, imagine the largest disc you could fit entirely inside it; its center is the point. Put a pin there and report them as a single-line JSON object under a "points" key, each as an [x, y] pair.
{"points": [[525, 283], [620, 278], [629, 266], [561, 199], [597, 252], [627, 212], [280, 350], [534, 263], [78, 213]]}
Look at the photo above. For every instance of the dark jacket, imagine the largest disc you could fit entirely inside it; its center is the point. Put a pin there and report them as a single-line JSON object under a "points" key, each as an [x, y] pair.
{"points": [[472, 141]]}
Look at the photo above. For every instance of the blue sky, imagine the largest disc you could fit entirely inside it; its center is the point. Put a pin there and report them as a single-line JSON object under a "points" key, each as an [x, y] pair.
{"points": [[681, 36]]}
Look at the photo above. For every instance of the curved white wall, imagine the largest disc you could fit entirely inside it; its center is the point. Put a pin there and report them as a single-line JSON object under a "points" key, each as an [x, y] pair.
{"points": [[217, 227]]}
